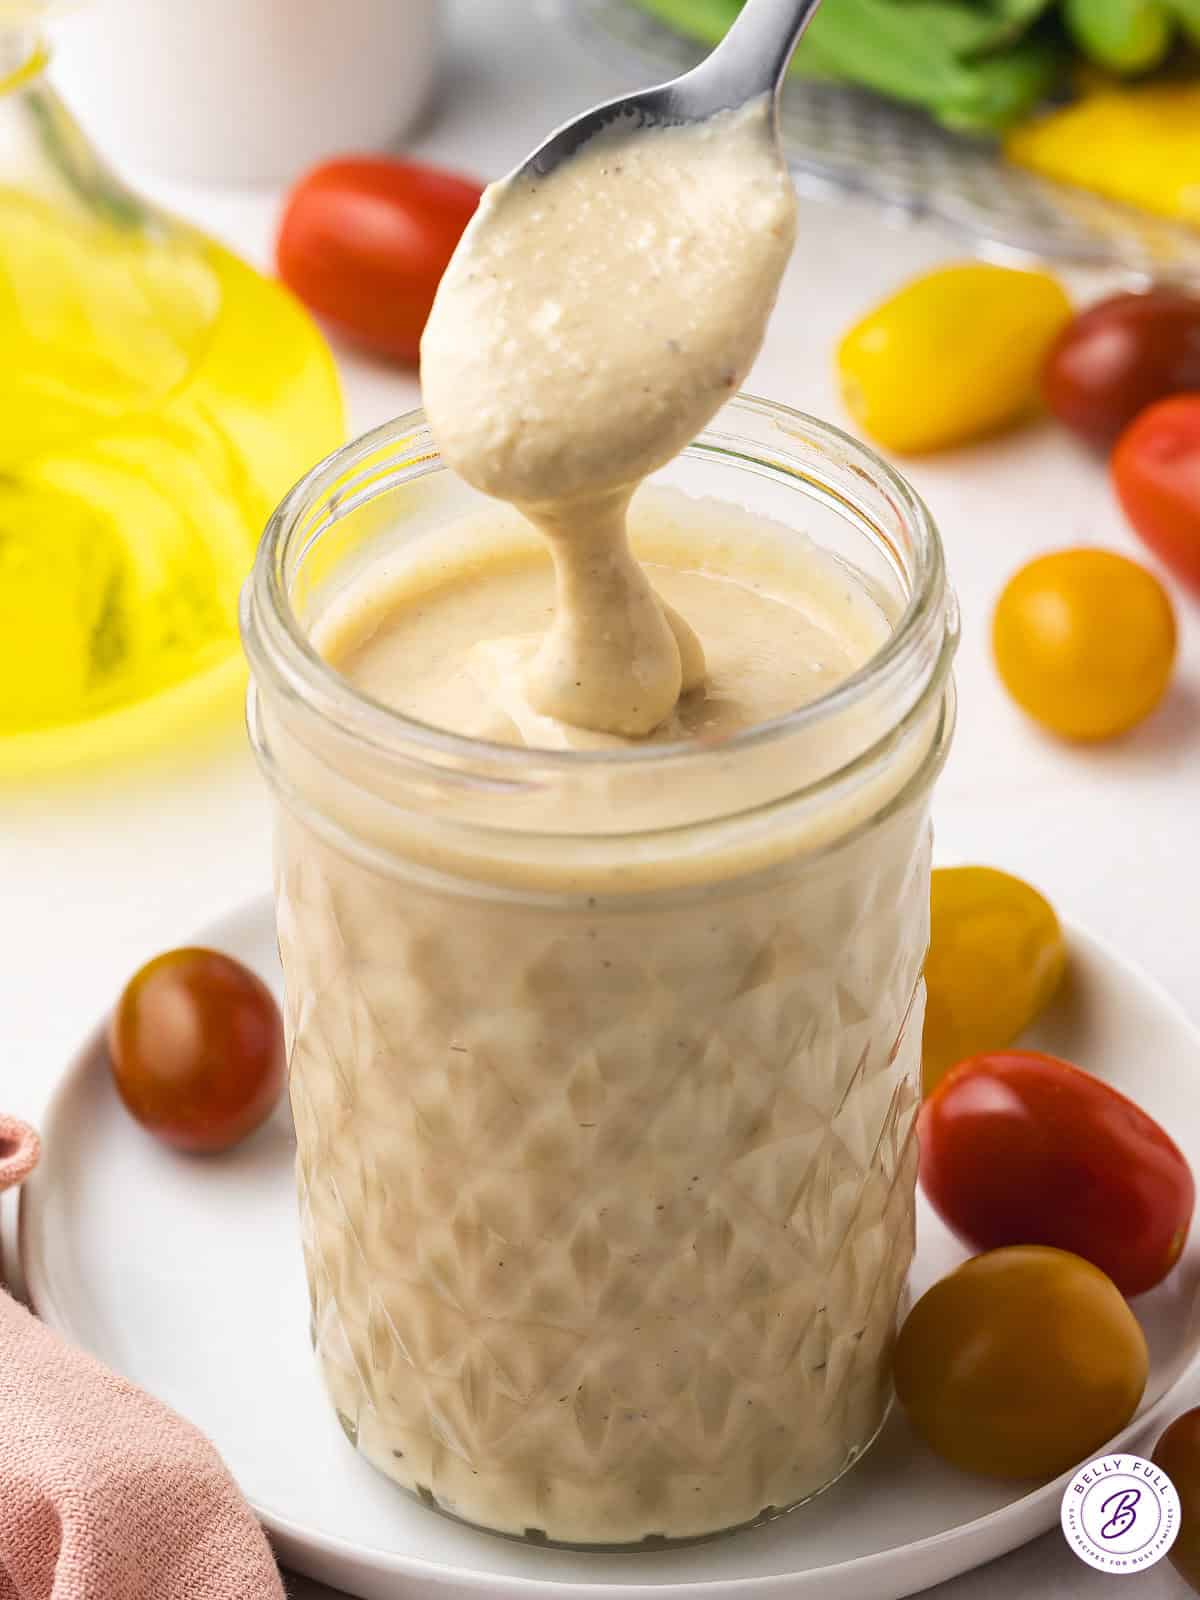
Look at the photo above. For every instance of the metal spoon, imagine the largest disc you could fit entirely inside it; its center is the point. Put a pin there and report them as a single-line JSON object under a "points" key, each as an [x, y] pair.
{"points": [[749, 61]]}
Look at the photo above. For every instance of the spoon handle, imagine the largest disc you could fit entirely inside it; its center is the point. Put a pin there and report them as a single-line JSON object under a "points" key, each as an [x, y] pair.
{"points": [[753, 56]]}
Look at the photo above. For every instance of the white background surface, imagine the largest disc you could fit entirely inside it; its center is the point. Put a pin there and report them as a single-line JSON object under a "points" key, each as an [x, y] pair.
{"points": [[95, 878]]}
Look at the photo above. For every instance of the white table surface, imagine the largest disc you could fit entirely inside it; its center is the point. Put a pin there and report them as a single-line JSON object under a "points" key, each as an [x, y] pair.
{"points": [[97, 877]]}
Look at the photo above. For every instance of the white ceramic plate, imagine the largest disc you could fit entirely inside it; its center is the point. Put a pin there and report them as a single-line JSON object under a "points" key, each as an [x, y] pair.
{"points": [[185, 1275]]}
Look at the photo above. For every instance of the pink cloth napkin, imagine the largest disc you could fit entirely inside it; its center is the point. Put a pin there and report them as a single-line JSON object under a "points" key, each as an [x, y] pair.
{"points": [[105, 1494]]}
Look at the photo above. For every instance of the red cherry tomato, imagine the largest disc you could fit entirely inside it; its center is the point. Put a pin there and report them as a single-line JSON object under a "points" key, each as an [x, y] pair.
{"points": [[1156, 468], [364, 243], [1120, 356], [1019, 1148], [196, 1044]]}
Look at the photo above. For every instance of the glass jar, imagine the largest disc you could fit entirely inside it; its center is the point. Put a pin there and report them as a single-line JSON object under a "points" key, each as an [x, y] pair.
{"points": [[605, 1129], [157, 396]]}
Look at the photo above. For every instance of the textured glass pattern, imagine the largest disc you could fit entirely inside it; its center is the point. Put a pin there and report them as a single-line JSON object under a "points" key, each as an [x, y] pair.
{"points": [[607, 1208]]}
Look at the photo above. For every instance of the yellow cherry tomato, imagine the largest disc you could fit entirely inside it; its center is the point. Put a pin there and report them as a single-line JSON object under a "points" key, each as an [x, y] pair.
{"points": [[1021, 1363], [1084, 642], [952, 356], [996, 957]]}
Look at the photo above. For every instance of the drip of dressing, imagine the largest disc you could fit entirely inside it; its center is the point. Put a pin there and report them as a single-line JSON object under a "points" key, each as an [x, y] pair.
{"points": [[590, 325]]}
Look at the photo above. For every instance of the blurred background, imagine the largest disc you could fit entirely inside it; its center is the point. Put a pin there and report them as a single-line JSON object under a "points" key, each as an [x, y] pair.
{"points": [[221, 227]]}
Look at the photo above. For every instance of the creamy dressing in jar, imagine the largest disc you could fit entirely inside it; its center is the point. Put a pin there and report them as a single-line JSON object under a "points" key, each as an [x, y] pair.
{"points": [[604, 1092]]}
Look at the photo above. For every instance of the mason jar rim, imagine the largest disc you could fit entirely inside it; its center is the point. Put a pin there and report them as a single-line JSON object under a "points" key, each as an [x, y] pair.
{"points": [[280, 651]]}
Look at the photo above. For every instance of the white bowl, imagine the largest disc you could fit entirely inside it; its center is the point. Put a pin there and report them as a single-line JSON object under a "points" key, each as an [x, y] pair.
{"points": [[245, 91]]}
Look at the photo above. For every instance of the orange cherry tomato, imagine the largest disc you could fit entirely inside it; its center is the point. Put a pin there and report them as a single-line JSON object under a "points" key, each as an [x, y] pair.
{"points": [[1178, 1454], [197, 1051], [364, 242], [1021, 1148], [1156, 470], [1084, 642], [1021, 1363]]}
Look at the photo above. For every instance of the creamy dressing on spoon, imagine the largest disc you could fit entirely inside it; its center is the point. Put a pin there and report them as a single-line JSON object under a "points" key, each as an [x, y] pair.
{"points": [[589, 326]]}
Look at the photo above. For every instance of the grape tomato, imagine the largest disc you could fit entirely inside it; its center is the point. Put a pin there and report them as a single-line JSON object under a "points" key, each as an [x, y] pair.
{"points": [[1021, 1363], [951, 356], [197, 1049], [364, 242], [1178, 1454], [996, 957], [1022, 1148], [1156, 471], [1120, 356]]}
